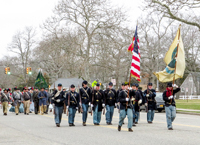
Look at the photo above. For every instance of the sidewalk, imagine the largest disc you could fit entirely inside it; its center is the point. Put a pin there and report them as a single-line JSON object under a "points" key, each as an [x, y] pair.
{"points": [[190, 110]]}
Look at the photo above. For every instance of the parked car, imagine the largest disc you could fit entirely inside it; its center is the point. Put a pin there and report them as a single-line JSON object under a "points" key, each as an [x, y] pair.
{"points": [[160, 103]]}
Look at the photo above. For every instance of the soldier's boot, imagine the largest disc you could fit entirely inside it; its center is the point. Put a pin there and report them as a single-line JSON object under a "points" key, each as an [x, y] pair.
{"points": [[130, 130], [119, 128], [134, 123], [45, 108]]}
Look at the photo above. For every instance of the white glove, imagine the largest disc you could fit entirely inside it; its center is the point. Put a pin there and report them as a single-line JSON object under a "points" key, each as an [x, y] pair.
{"points": [[103, 105], [170, 97], [58, 100], [145, 104], [76, 108], [80, 104], [133, 99], [174, 86], [115, 104], [67, 107], [127, 99], [140, 101], [91, 105], [147, 95], [52, 98]]}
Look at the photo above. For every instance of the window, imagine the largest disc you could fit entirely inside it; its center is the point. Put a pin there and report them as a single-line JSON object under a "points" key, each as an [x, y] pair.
{"points": [[190, 79], [182, 89]]}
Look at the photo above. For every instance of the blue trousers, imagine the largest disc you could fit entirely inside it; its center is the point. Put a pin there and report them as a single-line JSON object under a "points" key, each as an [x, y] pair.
{"points": [[122, 116], [58, 114], [71, 116], [150, 115], [96, 115], [85, 110], [109, 113], [137, 116], [43, 101], [170, 115]]}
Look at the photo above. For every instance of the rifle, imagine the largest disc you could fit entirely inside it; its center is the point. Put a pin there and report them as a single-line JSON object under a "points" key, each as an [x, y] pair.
{"points": [[80, 100], [68, 103]]}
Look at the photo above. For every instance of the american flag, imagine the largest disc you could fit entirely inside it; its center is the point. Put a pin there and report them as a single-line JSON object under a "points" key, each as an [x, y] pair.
{"points": [[134, 49]]}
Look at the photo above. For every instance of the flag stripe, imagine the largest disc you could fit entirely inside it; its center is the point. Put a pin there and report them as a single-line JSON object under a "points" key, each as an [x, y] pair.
{"points": [[133, 65]]}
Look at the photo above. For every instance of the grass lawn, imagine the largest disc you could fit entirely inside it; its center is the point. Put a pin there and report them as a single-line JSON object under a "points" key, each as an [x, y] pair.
{"points": [[191, 104]]}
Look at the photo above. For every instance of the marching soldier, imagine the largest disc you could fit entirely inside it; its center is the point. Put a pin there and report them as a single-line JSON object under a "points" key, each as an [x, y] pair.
{"points": [[133, 96], [138, 101], [150, 102], [43, 100], [170, 104], [17, 97], [5, 100], [125, 109], [110, 101], [97, 104], [58, 98], [72, 103], [85, 99], [36, 100], [26, 100]]}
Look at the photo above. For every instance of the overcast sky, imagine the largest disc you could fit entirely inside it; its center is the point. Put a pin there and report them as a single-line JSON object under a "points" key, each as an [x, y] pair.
{"points": [[15, 15]]}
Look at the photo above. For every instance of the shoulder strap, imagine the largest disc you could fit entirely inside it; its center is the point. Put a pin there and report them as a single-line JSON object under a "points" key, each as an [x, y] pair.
{"points": [[74, 97], [5, 96], [85, 91], [28, 94]]}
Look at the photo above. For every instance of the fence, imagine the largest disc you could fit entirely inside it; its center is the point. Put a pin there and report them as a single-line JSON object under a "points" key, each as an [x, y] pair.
{"points": [[190, 97]]}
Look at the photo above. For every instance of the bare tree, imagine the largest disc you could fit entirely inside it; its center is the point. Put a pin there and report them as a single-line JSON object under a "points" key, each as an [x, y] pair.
{"points": [[185, 11], [22, 44]]}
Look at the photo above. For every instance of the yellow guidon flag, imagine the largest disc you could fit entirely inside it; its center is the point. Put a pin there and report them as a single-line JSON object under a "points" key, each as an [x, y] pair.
{"points": [[175, 61]]}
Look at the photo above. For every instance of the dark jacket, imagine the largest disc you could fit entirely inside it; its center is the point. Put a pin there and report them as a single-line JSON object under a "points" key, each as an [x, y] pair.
{"points": [[118, 91], [73, 98], [42, 94], [35, 97], [85, 95], [151, 99], [27, 96], [61, 96], [122, 99], [110, 97], [98, 98], [137, 98], [167, 101]]}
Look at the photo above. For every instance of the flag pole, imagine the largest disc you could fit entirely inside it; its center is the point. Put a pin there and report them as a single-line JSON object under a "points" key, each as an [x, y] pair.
{"points": [[176, 58]]}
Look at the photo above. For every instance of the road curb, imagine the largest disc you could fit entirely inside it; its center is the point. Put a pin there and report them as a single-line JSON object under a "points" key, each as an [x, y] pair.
{"points": [[189, 113]]}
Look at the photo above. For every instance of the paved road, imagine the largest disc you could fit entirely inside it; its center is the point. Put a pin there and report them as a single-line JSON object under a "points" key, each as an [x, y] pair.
{"points": [[41, 130]]}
